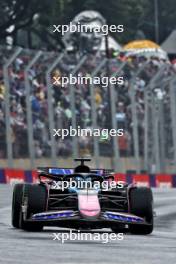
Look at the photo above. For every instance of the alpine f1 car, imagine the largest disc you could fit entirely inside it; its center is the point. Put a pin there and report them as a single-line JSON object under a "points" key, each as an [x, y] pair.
{"points": [[82, 206]]}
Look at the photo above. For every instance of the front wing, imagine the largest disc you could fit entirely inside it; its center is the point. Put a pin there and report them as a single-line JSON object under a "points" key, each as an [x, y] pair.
{"points": [[71, 215]]}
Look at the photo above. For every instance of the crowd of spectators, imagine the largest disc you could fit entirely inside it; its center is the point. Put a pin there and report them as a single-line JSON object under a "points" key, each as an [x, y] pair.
{"points": [[61, 103]]}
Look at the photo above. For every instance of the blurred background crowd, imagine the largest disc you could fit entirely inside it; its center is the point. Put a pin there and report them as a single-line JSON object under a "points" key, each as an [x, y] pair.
{"points": [[61, 103]]}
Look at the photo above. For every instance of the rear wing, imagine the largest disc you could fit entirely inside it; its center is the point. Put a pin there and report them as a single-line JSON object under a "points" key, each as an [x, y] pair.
{"points": [[66, 171]]}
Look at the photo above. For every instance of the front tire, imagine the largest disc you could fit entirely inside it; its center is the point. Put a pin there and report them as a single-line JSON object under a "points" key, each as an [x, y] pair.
{"points": [[16, 204], [141, 204], [35, 197]]}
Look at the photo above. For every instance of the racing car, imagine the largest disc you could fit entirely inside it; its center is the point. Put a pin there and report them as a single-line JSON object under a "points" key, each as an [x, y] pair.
{"points": [[82, 206]]}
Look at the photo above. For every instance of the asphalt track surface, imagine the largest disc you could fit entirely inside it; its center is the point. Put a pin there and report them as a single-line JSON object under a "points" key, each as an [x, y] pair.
{"points": [[19, 247]]}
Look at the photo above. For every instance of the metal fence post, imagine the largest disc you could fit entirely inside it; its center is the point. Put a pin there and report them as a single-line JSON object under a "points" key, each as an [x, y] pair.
{"points": [[29, 110], [134, 118], [162, 132], [73, 107], [7, 106], [155, 114], [117, 164], [148, 89], [50, 107], [173, 113], [93, 112], [146, 127]]}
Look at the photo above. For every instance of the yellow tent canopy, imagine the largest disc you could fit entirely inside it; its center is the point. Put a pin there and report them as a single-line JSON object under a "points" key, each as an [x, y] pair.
{"points": [[141, 44], [145, 48]]}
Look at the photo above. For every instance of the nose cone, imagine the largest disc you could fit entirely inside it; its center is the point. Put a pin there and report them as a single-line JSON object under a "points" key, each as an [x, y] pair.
{"points": [[88, 204], [90, 213]]}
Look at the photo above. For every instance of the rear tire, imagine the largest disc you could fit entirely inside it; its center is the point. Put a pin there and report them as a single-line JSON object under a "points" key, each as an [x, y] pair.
{"points": [[141, 204], [36, 197]]}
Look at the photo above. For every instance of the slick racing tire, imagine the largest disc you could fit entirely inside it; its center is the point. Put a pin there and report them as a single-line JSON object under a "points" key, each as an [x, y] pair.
{"points": [[35, 200], [141, 204], [120, 228], [16, 204]]}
